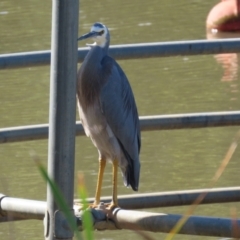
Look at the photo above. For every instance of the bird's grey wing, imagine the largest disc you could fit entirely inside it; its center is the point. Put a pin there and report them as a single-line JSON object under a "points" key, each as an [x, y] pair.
{"points": [[119, 108]]}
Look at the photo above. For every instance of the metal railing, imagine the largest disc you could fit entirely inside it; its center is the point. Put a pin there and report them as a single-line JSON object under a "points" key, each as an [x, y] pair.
{"points": [[174, 121], [130, 51], [21, 209], [147, 123]]}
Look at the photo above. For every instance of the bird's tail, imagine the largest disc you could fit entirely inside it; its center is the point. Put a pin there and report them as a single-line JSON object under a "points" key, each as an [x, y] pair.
{"points": [[131, 173], [131, 177]]}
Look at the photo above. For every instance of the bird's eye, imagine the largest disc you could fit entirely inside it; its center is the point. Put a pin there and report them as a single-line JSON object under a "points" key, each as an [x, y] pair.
{"points": [[101, 33]]}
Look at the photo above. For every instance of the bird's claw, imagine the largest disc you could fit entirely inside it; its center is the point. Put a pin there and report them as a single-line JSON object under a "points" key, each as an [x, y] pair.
{"points": [[93, 205], [111, 206], [104, 206]]}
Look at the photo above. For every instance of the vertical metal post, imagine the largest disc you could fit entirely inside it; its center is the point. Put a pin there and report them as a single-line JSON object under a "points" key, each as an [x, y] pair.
{"points": [[62, 113]]}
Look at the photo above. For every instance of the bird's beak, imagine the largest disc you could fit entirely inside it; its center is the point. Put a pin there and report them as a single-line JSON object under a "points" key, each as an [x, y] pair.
{"points": [[88, 35]]}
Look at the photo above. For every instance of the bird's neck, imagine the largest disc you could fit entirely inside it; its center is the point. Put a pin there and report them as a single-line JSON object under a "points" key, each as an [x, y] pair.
{"points": [[103, 43], [94, 57], [100, 48], [96, 53], [89, 77]]}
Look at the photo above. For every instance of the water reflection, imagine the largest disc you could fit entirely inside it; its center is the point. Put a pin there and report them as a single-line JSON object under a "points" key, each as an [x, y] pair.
{"points": [[228, 61], [230, 65], [223, 21]]}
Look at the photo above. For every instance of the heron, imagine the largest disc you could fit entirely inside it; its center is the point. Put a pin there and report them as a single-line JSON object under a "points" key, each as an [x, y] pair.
{"points": [[108, 113]]}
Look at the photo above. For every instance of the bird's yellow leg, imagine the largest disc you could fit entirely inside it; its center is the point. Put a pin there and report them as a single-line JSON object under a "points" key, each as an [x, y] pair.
{"points": [[102, 164], [114, 202]]}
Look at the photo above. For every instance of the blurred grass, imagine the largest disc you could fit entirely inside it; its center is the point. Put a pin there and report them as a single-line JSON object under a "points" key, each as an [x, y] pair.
{"points": [[87, 217], [211, 184], [58, 197]]}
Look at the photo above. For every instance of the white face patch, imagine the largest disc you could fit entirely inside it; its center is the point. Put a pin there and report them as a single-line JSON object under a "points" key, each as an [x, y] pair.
{"points": [[101, 39]]}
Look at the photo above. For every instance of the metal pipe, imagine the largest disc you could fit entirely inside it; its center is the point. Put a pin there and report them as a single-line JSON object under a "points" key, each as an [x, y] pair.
{"points": [[62, 111], [148, 123], [19, 209], [190, 120], [24, 133], [32, 209], [174, 198], [130, 51], [160, 222]]}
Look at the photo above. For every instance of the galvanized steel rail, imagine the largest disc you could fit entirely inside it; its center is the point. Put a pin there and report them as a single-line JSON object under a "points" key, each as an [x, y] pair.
{"points": [[163, 222], [147, 123], [19, 209], [30, 209], [62, 115], [174, 198], [130, 51], [34, 209]]}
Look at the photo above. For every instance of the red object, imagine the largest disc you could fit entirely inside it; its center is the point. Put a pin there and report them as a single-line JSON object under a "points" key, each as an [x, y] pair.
{"points": [[225, 16]]}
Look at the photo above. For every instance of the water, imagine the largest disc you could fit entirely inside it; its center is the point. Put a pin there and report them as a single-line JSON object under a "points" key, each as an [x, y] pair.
{"points": [[171, 160]]}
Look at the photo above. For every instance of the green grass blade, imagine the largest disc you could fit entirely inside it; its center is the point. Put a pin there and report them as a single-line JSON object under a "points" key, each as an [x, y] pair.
{"points": [[87, 216], [58, 197]]}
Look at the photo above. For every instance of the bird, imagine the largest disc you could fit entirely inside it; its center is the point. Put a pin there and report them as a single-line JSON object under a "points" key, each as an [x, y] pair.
{"points": [[108, 113]]}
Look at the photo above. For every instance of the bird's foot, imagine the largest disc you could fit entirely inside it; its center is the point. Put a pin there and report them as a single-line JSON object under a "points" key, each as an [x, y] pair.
{"points": [[81, 206], [111, 206], [107, 206], [93, 205]]}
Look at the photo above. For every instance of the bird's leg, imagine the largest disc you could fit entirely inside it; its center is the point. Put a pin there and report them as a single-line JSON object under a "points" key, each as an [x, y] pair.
{"points": [[114, 202], [102, 164]]}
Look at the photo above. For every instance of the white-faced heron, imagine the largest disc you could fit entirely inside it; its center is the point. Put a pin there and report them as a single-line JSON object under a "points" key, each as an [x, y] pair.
{"points": [[108, 112]]}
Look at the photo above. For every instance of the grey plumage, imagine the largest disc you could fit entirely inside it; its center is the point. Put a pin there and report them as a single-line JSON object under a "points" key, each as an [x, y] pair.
{"points": [[107, 107]]}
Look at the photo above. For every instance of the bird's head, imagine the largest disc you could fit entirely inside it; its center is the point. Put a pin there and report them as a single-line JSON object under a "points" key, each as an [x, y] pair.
{"points": [[99, 33]]}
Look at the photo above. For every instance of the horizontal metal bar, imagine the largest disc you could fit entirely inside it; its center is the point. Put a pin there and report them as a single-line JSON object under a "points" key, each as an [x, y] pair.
{"points": [[24, 133], [147, 123], [130, 51], [32, 209], [190, 120], [161, 222], [174, 198], [18, 209]]}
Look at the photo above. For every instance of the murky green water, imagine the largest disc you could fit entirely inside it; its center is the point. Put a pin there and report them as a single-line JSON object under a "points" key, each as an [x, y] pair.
{"points": [[171, 160]]}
